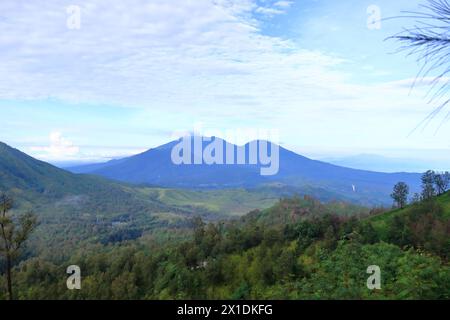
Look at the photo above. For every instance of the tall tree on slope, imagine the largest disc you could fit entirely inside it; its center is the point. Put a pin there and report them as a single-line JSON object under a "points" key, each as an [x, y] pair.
{"points": [[14, 231]]}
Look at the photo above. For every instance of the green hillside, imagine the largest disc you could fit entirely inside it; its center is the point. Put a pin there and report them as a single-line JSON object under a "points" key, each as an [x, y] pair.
{"points": [[385, 219], [424, 225], [297, 249], [294, 209], [76, 207], [153, 243], [73, 208]]}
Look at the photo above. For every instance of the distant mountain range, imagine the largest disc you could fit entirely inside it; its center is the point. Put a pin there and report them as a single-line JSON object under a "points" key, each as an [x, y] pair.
{"points": [[57, 194], [154, 167], [379, 163], [297, 174]]}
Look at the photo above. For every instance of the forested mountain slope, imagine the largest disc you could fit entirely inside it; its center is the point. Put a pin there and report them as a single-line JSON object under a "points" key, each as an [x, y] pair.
{"points": [[298, 249]]}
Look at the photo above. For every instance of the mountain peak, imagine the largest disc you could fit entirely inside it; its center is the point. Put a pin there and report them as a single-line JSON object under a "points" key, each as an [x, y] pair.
{"points": [[156, 167]]}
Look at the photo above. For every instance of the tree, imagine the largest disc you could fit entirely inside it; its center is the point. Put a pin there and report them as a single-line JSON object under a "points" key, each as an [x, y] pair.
{"points": [[199, 230], [400, 194], [429, 40], [416, 198], [14, 232], [428, 180], [441, 181], [446, 177]]}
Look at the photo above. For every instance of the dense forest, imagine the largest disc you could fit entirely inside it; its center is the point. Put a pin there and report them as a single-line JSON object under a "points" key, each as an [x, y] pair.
{"points": [[298, 249]]}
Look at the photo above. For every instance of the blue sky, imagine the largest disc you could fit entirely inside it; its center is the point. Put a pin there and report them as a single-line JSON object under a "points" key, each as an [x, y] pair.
{"points": [[135, 73]]}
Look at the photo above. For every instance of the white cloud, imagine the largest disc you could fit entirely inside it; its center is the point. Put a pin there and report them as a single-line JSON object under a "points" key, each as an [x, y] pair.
{"points": [[283, 4], [150, 54], [269, 11], [59, 148], [202, 60], [419, 82]]}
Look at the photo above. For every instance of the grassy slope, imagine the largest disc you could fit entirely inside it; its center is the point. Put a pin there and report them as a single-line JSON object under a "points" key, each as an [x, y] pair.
{"points": [[381, 222], [237, 202], [231, 202]]}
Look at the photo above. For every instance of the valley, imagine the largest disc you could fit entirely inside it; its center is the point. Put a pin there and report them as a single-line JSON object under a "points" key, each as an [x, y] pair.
{"points": [[128, 238]]}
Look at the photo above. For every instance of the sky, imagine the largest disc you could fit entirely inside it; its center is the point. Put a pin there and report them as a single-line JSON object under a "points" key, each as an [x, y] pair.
{"points": [[91, 80]]}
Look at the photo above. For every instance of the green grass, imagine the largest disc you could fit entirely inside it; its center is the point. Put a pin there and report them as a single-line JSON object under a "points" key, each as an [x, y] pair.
{"points": [[444, 200], [229, 202], [381, 222]]}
